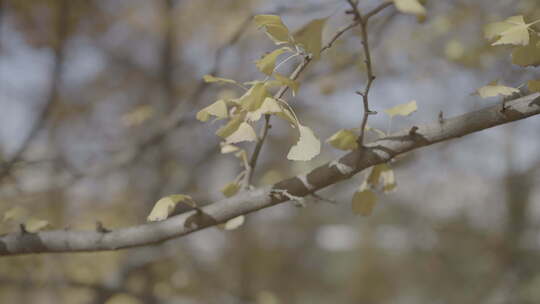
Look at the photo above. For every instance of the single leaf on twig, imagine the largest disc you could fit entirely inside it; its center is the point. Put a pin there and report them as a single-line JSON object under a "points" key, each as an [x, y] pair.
{"points": [[165, 206], [274, 27], [494, 89], [307, 147], [218, 109], [310, 37]]}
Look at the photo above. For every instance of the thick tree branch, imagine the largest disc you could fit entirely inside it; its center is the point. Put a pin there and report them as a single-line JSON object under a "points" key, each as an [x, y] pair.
{"points": [[246, 202]]}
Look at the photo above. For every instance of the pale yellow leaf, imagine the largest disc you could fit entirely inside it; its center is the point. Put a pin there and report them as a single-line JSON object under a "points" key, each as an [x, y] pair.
{"points": [[410, 7], [268, 62], [217, 109], [388, 180], [494, 89], [230, 189], [34, 225], [254, 97], [233, 223], [286, 81], [244, 133], [307, 147], [269, 106], [310, 37], [210, 78], [274, 27], [344, 140], [363, 202], [165, 206], [405, 109]]}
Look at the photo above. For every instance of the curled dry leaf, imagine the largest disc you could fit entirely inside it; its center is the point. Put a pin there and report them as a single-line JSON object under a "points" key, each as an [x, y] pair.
{"points": [[165, 206], [494, 89]]}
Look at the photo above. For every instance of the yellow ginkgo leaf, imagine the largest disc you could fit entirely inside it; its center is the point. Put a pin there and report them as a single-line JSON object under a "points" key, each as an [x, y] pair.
{"points": [[210, 78], [344, 140], [217, 109], [233, 223], [268, 62], [363, 202], [230, 189], [244, 133], [307, 147], [254, 97], [513, 30], [410, 7], [34, 225], [269, 106], [533, 85], [405, 109], [528, 55], [230, 127], [310, 37], [165, 206], [286, 81], [494, 89], [274, 27]]}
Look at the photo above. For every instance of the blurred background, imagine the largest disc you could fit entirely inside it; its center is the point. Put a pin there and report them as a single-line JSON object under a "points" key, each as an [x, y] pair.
{"points": [[97, 106]]}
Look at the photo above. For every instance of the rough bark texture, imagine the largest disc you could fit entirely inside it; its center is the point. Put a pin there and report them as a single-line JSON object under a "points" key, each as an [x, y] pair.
{"points": [[330, 173]]}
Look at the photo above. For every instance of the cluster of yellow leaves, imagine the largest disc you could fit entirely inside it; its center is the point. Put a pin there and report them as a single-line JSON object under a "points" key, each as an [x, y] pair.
{"points": [[516, 32], [257, 101]]}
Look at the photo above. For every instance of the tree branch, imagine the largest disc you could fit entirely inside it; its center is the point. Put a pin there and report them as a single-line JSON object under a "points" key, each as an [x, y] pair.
{"points": [[374, 153]]}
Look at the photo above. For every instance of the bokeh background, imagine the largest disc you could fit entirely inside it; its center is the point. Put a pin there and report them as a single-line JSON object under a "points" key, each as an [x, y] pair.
{"points": [[86, 85]]}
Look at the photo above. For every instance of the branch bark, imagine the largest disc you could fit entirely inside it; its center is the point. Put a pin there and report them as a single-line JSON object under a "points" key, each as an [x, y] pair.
{"points": [[246, 202]]}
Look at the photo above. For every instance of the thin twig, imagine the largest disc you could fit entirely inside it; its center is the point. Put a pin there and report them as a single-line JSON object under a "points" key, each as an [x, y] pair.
{"points": [[363, 21]]}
